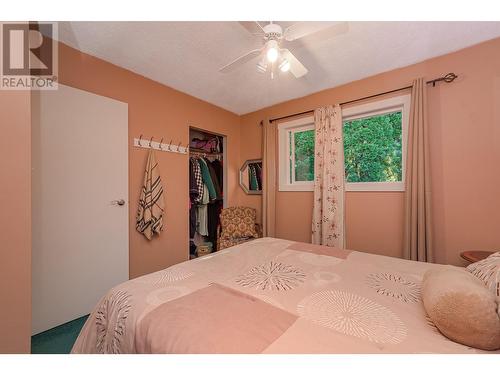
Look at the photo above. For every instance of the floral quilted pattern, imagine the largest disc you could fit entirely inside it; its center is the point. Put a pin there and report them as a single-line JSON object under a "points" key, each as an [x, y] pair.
{"points": [[238, 222]]}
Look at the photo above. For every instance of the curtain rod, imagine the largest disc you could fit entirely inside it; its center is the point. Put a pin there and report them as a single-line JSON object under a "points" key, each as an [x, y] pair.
{"points": [[450, 77]]}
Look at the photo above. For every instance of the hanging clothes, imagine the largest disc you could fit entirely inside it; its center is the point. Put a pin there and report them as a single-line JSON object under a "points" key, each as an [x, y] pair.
{"points": [[207, 179], [205, 189], [192, 220], [202, 218], [151, 206], [195, 181], [193, 192], [217, 165], [215, 180], [214, 210]]}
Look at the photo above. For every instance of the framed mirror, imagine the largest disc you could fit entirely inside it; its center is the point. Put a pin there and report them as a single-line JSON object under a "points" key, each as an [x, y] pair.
{"points": [[251, 176]]}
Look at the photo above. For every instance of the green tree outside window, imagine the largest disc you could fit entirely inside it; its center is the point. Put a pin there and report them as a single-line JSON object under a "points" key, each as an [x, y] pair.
{"points": [[372, 150], [304, 155]]}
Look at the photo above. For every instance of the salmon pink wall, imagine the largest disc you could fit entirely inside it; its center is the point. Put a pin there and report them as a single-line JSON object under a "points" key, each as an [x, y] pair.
{"points": [[465, 156], [15, 221], [159, 111]]}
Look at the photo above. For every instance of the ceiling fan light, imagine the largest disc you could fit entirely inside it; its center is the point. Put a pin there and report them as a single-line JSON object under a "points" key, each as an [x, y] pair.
{"points": [[272, 54], [272, 51], [285, 66]]}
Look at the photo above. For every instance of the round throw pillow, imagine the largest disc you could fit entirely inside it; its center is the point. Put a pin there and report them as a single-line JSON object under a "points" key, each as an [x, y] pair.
{"points": [[461, 307]]}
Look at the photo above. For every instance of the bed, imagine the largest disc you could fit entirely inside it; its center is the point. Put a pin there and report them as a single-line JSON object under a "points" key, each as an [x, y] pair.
{"points": [[270, 296]]}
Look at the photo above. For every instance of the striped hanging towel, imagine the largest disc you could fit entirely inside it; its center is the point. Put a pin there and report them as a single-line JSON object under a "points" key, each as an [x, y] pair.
{"points": [[150, 213]]}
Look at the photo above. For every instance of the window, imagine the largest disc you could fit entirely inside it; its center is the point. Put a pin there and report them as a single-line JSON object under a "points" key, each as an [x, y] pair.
{"points": [[375, 145], [296, 154], [374, 148]]}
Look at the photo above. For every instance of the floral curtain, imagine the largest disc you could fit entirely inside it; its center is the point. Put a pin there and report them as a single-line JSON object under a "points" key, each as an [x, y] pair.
{"points": [[328, 211]]}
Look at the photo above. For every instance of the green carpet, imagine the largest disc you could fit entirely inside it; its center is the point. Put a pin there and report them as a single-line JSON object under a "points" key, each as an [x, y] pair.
{"points": [[57, 340]]}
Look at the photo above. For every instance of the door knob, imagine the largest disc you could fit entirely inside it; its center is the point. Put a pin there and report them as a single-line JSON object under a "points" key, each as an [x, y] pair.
{"points": [[119, 202]]}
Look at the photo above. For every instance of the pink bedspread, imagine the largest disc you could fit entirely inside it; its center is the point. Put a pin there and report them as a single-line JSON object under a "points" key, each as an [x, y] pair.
{"points": [[270, 296]]}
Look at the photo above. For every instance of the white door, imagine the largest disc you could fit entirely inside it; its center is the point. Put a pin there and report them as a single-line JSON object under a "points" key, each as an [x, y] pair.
{"points": [[80, 232]]}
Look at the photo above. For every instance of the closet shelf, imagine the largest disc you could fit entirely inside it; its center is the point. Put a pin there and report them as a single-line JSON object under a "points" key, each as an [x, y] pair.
{"points": [[201, 151]]}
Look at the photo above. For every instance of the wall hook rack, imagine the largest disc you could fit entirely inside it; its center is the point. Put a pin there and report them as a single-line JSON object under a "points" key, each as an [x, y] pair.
{"points": [[159, 146]]}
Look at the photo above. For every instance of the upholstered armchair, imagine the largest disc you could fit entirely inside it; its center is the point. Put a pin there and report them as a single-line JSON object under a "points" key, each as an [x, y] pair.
{"points": [[237, 225]]}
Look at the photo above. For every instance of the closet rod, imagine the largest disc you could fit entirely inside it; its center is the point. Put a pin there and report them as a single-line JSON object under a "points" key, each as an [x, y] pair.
{"points": [[450, 77]]}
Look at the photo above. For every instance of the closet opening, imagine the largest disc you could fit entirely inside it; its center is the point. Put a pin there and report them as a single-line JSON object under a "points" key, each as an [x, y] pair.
{"points": [[207, 189]]}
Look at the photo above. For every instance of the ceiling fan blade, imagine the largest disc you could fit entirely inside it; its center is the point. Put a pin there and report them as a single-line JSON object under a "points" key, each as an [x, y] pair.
{"points": [[296, 67], [302, 29], [241, 60], [253, 27]]}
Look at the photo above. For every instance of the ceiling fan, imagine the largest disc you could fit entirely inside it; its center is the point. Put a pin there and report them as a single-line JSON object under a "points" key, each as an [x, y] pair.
{"points": [[273, 55]]}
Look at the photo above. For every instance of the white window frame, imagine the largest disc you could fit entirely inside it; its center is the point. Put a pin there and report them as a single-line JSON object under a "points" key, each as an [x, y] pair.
{"points": [[380, 107], [285, 129]]}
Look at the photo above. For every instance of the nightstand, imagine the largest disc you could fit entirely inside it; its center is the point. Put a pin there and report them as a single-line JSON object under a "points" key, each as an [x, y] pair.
{"points": [[475, 255]]}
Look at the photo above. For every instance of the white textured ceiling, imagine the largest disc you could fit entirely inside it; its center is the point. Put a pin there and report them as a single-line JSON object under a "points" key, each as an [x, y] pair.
{"points": [[188, 55]]}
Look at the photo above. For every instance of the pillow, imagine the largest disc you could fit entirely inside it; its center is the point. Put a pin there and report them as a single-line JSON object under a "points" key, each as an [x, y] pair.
{"points": [[488, 271], [461, 307]]}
